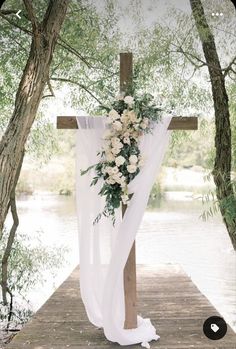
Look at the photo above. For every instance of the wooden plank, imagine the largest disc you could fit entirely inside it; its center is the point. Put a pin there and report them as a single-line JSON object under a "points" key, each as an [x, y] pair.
{"points": [[129, 276], [177, 122], [130, 287], [126, 72], [62, 323]]}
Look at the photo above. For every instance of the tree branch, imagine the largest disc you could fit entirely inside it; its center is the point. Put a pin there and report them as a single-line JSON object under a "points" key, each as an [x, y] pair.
{"points": [[11, 237], [65, 45], [14, 24], [189, 56], [230, 67], [31, 14], [8, 12], [61, 42], [80, 85]]}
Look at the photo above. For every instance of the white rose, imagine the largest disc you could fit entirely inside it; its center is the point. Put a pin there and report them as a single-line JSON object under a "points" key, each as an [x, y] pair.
{"points": [[131, 168], [124, 119], [129, 100], [126, 140], [109, 156], [109, 170], [114, 170], [120, 97], [132, 116], [120, 160], [115, 140], [133, 159], [117, 125], [114, 115], [115, 150], [143, 125], [117, 177], [110, 180]]}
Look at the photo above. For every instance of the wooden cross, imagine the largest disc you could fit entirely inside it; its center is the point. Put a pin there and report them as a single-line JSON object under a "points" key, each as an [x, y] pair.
{"points": [[177, 123]]}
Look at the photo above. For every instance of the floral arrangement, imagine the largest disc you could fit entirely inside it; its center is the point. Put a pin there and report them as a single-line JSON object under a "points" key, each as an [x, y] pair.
{"points": [[120, 158]]}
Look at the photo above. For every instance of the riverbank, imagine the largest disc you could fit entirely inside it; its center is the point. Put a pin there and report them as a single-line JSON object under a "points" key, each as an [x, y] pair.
{"points": [[59, 176]]}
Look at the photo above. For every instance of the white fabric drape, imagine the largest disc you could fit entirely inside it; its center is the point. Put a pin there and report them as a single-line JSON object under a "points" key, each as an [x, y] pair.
{"points": [[103, 248]]}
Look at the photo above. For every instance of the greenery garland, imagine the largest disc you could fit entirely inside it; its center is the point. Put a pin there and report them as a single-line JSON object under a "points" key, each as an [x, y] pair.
{"points": [[120, 158]]}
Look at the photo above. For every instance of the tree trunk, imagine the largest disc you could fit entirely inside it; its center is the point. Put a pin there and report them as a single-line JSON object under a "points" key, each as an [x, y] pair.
{"points": [[222, 167], [28, 97]]}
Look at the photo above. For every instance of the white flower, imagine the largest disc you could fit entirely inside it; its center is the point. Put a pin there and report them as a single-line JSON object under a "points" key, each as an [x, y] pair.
{"points": [[123, 182], [109, 170], [120, 160], [114, 170], [117, 177], [144, 124], [126, 140], [120, 97], [126, 134], [115, 141], [115, 150], [133, 159], [132, 116], [110, 180], [110, 157], [125, 199], [117, 125], [113, 115], [124, 118], [129, 100], [131, 168]]}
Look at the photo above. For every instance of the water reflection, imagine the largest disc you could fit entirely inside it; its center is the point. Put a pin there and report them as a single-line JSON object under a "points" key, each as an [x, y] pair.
{"points": [[171, 233]]}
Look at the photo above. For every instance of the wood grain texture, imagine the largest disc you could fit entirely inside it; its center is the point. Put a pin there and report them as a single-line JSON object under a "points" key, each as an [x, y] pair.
{"points": [[177, 123], [126, 72], [130, 287], [166, 295], [129, 277]]}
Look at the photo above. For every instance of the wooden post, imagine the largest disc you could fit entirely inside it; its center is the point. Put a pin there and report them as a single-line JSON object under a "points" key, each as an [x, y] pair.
{"points": [[130, 289]]}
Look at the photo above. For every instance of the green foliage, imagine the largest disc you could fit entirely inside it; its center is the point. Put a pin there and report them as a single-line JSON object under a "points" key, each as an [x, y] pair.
{"points": [[27, 265], [156, 195], [129, 118]]}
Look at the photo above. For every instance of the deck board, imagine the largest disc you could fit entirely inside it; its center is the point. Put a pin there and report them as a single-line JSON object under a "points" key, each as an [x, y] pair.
{"points": [[165, 294]]}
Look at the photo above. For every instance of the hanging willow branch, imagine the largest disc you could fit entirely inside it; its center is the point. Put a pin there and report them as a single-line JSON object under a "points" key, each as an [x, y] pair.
{"points": [[11, 238]]}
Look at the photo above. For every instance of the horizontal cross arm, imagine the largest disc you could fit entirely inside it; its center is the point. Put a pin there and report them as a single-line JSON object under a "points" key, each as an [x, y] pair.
{"points": [[177, 123]]}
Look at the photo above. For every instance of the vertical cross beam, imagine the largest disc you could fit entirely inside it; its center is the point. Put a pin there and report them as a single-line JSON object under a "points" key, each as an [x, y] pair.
{"points": [[130, 291]]}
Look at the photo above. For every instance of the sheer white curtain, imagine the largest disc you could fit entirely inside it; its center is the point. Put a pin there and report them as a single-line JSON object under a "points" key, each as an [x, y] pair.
{"points": [[104, 249]]}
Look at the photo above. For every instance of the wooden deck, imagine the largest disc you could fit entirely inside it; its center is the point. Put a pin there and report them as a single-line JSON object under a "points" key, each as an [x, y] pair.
{"points": [[165, 294]]}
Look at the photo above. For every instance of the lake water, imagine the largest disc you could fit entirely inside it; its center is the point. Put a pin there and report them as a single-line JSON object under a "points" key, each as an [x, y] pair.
{"points": [[171, 233]]}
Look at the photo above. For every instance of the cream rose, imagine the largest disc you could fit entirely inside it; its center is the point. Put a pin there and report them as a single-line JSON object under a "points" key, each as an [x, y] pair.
{"points": [[114, 115], [133, 159], [126, 140], [114, 170], [117, 125], [115, 150], [132, 116], [110, 181], [131, 168], [119, 160], [129, 100], [109, 156]]}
